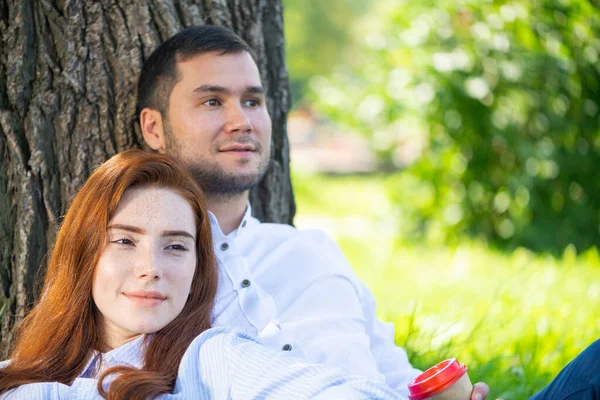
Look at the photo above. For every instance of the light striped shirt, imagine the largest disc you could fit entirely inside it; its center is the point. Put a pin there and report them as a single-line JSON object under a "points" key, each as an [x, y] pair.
{"points": [[221, 364]]}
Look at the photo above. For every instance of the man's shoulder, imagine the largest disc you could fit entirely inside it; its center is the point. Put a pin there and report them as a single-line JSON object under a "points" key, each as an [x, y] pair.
{"points": [[287, 232], [311, 251], [291, 239]]}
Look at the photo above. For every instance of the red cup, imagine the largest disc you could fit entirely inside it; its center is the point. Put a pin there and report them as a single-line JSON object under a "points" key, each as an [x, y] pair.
{"points": [[438, 380]]}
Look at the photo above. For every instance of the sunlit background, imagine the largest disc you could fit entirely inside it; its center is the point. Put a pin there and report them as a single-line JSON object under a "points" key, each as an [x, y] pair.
{"points": [[452, 149]]}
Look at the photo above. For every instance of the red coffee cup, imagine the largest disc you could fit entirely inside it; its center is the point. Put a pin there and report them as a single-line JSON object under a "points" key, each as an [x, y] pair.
{"points": [[447, 380]]}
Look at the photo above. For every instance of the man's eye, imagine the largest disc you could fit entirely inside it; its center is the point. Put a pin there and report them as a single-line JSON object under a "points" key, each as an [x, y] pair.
{"points": [[251, 103], [212, 103]]}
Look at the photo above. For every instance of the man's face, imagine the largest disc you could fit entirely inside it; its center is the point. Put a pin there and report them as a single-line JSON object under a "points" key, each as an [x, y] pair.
{"points": [[217, 122]]}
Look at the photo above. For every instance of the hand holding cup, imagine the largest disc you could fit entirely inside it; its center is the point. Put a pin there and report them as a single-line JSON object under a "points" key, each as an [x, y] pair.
{"points": [[447, 380]]}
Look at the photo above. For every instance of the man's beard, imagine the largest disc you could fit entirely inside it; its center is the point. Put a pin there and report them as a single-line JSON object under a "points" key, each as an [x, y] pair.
{"points": [[211, 177], [216, 182]]}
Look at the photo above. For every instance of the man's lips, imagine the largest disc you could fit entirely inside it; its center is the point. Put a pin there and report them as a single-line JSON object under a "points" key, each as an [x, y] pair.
{"points": [[145, 297], [238, 148]]}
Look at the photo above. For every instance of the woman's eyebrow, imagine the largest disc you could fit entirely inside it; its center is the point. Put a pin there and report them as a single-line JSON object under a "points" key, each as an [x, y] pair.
{"points": [[179, 233], [135, 229], [128, 228]]}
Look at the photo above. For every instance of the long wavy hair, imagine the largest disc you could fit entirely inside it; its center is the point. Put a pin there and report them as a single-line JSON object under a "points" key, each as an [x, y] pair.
{"points": [[56, 338]]}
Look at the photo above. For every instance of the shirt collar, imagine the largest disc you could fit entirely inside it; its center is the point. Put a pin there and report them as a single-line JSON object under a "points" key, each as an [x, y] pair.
{"points": [[131, 354], [247, 221]]}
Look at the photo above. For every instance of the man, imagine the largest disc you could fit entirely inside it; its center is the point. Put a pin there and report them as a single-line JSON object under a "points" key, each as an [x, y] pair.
{"points": [[201, 98]]}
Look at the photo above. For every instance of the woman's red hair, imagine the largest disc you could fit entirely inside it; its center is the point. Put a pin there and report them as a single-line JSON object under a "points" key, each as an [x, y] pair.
{"points": [[54, 341]]}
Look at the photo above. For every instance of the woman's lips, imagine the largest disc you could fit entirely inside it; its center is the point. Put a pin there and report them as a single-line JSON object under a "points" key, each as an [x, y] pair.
{"points": [[146, 298]]}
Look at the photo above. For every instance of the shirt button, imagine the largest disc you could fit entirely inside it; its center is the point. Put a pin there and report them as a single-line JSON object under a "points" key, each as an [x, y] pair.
{"points": [[243, 224], [245, 283], [287, 347], [224, 246]]}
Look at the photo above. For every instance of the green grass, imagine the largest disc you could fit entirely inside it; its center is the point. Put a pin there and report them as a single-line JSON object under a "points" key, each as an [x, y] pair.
{"points": [[514, 318]]}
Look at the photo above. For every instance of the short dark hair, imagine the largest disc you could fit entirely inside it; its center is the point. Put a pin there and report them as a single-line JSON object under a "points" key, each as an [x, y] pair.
{"points": [[159, 73]]}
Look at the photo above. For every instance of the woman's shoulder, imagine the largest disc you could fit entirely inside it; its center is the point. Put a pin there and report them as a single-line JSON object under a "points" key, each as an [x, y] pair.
{"points": [[222, 337], [210, 355], [220, 346]]}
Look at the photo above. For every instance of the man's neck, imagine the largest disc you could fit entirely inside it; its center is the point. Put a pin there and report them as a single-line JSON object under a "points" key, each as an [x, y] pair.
{"points": [[229, 210]]}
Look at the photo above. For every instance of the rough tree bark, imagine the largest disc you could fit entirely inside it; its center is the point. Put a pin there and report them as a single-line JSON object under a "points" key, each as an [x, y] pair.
{"points": [[68, 73]]}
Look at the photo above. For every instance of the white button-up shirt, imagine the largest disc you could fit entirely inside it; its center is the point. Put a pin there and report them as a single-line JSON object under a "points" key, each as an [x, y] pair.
{"points": [[296, 292]]}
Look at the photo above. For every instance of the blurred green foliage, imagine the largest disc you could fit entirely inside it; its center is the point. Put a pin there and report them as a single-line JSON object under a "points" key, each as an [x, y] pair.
{"points": [[515, 319], [316, 33], [489, 107]]}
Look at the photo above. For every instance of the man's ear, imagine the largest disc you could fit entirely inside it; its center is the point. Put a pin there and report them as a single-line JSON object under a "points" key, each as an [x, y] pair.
{"points": [[152, 128]]}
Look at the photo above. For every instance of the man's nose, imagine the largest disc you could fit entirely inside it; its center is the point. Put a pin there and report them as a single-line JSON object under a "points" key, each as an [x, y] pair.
{"points": [[238, 120]]}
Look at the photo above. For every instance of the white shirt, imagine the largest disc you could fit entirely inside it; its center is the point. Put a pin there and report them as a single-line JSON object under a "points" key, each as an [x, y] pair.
{"points": [[296, 292]]}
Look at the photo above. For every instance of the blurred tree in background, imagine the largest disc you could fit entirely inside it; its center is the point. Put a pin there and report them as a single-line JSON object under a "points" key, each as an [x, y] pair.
{"points": [[489, 110]]}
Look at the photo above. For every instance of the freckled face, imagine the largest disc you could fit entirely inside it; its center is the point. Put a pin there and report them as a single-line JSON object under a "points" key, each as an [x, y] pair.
{"points": [[144, 275], [217, 121]]}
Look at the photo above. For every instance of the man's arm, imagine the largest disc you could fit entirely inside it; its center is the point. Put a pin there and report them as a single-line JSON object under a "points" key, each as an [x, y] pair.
{"points": [[333, 316], [392, 360], [329, 327]]}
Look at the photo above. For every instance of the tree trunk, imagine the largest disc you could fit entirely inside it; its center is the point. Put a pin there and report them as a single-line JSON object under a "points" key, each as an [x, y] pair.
{"points": [[68, 74]]}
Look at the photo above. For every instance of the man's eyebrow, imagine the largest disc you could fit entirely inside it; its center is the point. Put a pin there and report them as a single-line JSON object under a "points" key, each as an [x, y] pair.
{"points": [[255, 89], [127, 228], [211, 89], [221, 89], [179, 233]]}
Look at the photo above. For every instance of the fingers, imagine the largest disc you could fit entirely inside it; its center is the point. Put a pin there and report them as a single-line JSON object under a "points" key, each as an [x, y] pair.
{"points": [[480, 391]]}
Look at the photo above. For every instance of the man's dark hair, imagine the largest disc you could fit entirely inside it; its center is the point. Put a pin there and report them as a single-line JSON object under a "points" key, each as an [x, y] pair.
{"points": [[159, 74]]}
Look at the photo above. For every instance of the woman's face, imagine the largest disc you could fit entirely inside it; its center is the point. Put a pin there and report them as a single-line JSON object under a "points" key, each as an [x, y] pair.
{"points": [[144, 275]]}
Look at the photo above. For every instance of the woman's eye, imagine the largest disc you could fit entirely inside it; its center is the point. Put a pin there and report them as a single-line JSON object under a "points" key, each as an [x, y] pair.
{"points": [[177, 247], [125, 242]]}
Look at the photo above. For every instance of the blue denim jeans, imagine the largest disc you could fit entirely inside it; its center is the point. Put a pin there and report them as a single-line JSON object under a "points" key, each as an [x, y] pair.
{"points": [[579, 380]]}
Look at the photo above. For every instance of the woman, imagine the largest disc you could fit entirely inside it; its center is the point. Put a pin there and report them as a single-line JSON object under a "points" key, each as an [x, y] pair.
{"points": [[126, 305]]}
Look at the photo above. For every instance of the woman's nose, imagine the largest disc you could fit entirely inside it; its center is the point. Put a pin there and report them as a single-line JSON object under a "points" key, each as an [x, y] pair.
{"points": [[148, 266]]}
